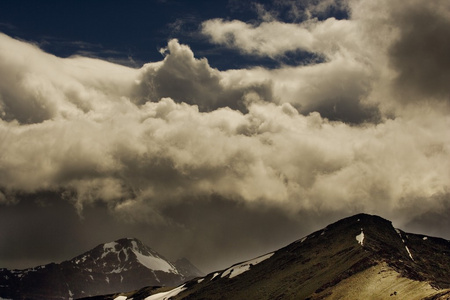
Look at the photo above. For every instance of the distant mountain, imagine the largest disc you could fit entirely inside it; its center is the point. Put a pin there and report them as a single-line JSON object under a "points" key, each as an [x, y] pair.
{"points": [[123, 265], [187, 269], [360, 257]]}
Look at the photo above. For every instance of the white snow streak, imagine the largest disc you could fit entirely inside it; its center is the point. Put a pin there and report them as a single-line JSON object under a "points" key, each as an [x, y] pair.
{"points": [[120, 298], [215, 275], [425, 238], [360, 238], [409, 253], [245, 266], [155, 263], [134, 246], [166, 295]]}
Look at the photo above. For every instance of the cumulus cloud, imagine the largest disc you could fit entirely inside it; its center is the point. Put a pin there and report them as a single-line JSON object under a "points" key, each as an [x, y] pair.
{"points": [[346, 73], [184, 78], [144, 140]]}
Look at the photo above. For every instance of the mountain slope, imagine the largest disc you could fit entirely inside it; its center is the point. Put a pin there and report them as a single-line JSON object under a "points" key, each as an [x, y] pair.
{"points": [[358, 257], [123, 265]]}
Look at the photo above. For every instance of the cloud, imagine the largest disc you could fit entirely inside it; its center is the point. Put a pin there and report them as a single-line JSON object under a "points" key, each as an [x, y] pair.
{"points": [[275, 38], [420, 54], [337, 87], [322, 138], [38, 86], [184, 78]]}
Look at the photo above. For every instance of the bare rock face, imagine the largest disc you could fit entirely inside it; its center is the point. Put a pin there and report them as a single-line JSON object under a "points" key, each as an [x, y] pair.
{"points": [[123, 265]]}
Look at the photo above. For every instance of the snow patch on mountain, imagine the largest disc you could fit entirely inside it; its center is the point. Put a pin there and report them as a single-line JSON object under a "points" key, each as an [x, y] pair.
{"points": [[409, 253], [166, 295], [360, 238], [245, 266], [107, 248], [155, 263]]}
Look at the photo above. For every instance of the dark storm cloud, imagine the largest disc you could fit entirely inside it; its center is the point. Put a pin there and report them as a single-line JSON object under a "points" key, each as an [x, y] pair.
{"points": [[420, 54], [39, 223], [434, 223], [212, 232], [224, 232], [349, 110]]}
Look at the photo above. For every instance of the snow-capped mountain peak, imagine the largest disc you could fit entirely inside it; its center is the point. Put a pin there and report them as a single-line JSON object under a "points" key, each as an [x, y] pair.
{"points": [[123, 254], [122, 265]]}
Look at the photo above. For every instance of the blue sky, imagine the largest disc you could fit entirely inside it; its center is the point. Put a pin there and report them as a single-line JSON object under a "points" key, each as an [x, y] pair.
{"points": [[132, 32]]}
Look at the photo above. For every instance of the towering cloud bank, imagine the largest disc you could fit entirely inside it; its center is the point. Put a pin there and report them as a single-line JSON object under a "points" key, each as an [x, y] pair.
{"points": [[363, 128]]}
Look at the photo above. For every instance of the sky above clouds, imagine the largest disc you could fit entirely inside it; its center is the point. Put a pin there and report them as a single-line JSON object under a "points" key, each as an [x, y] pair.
{"points": [[218, 131]]}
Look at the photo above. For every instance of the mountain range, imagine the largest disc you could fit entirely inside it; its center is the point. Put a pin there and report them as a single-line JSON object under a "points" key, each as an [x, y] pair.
{"points": [[123, 265], [360, 257]]}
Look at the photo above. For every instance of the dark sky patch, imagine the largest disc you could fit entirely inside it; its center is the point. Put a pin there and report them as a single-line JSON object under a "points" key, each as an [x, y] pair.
{"points": [[420, 55]]}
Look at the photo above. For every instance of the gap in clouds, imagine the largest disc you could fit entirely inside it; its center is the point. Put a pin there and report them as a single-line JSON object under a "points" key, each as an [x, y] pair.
{"points": [[144, 27]]}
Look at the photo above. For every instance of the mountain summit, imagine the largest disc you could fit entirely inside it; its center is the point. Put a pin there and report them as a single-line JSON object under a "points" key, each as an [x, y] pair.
{"points": [[360, 257], [122, 265]]}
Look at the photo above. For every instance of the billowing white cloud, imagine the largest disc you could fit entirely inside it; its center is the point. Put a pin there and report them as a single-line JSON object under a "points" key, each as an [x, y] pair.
{"points": [[37, 86], [140, 140], [275, 38]]}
